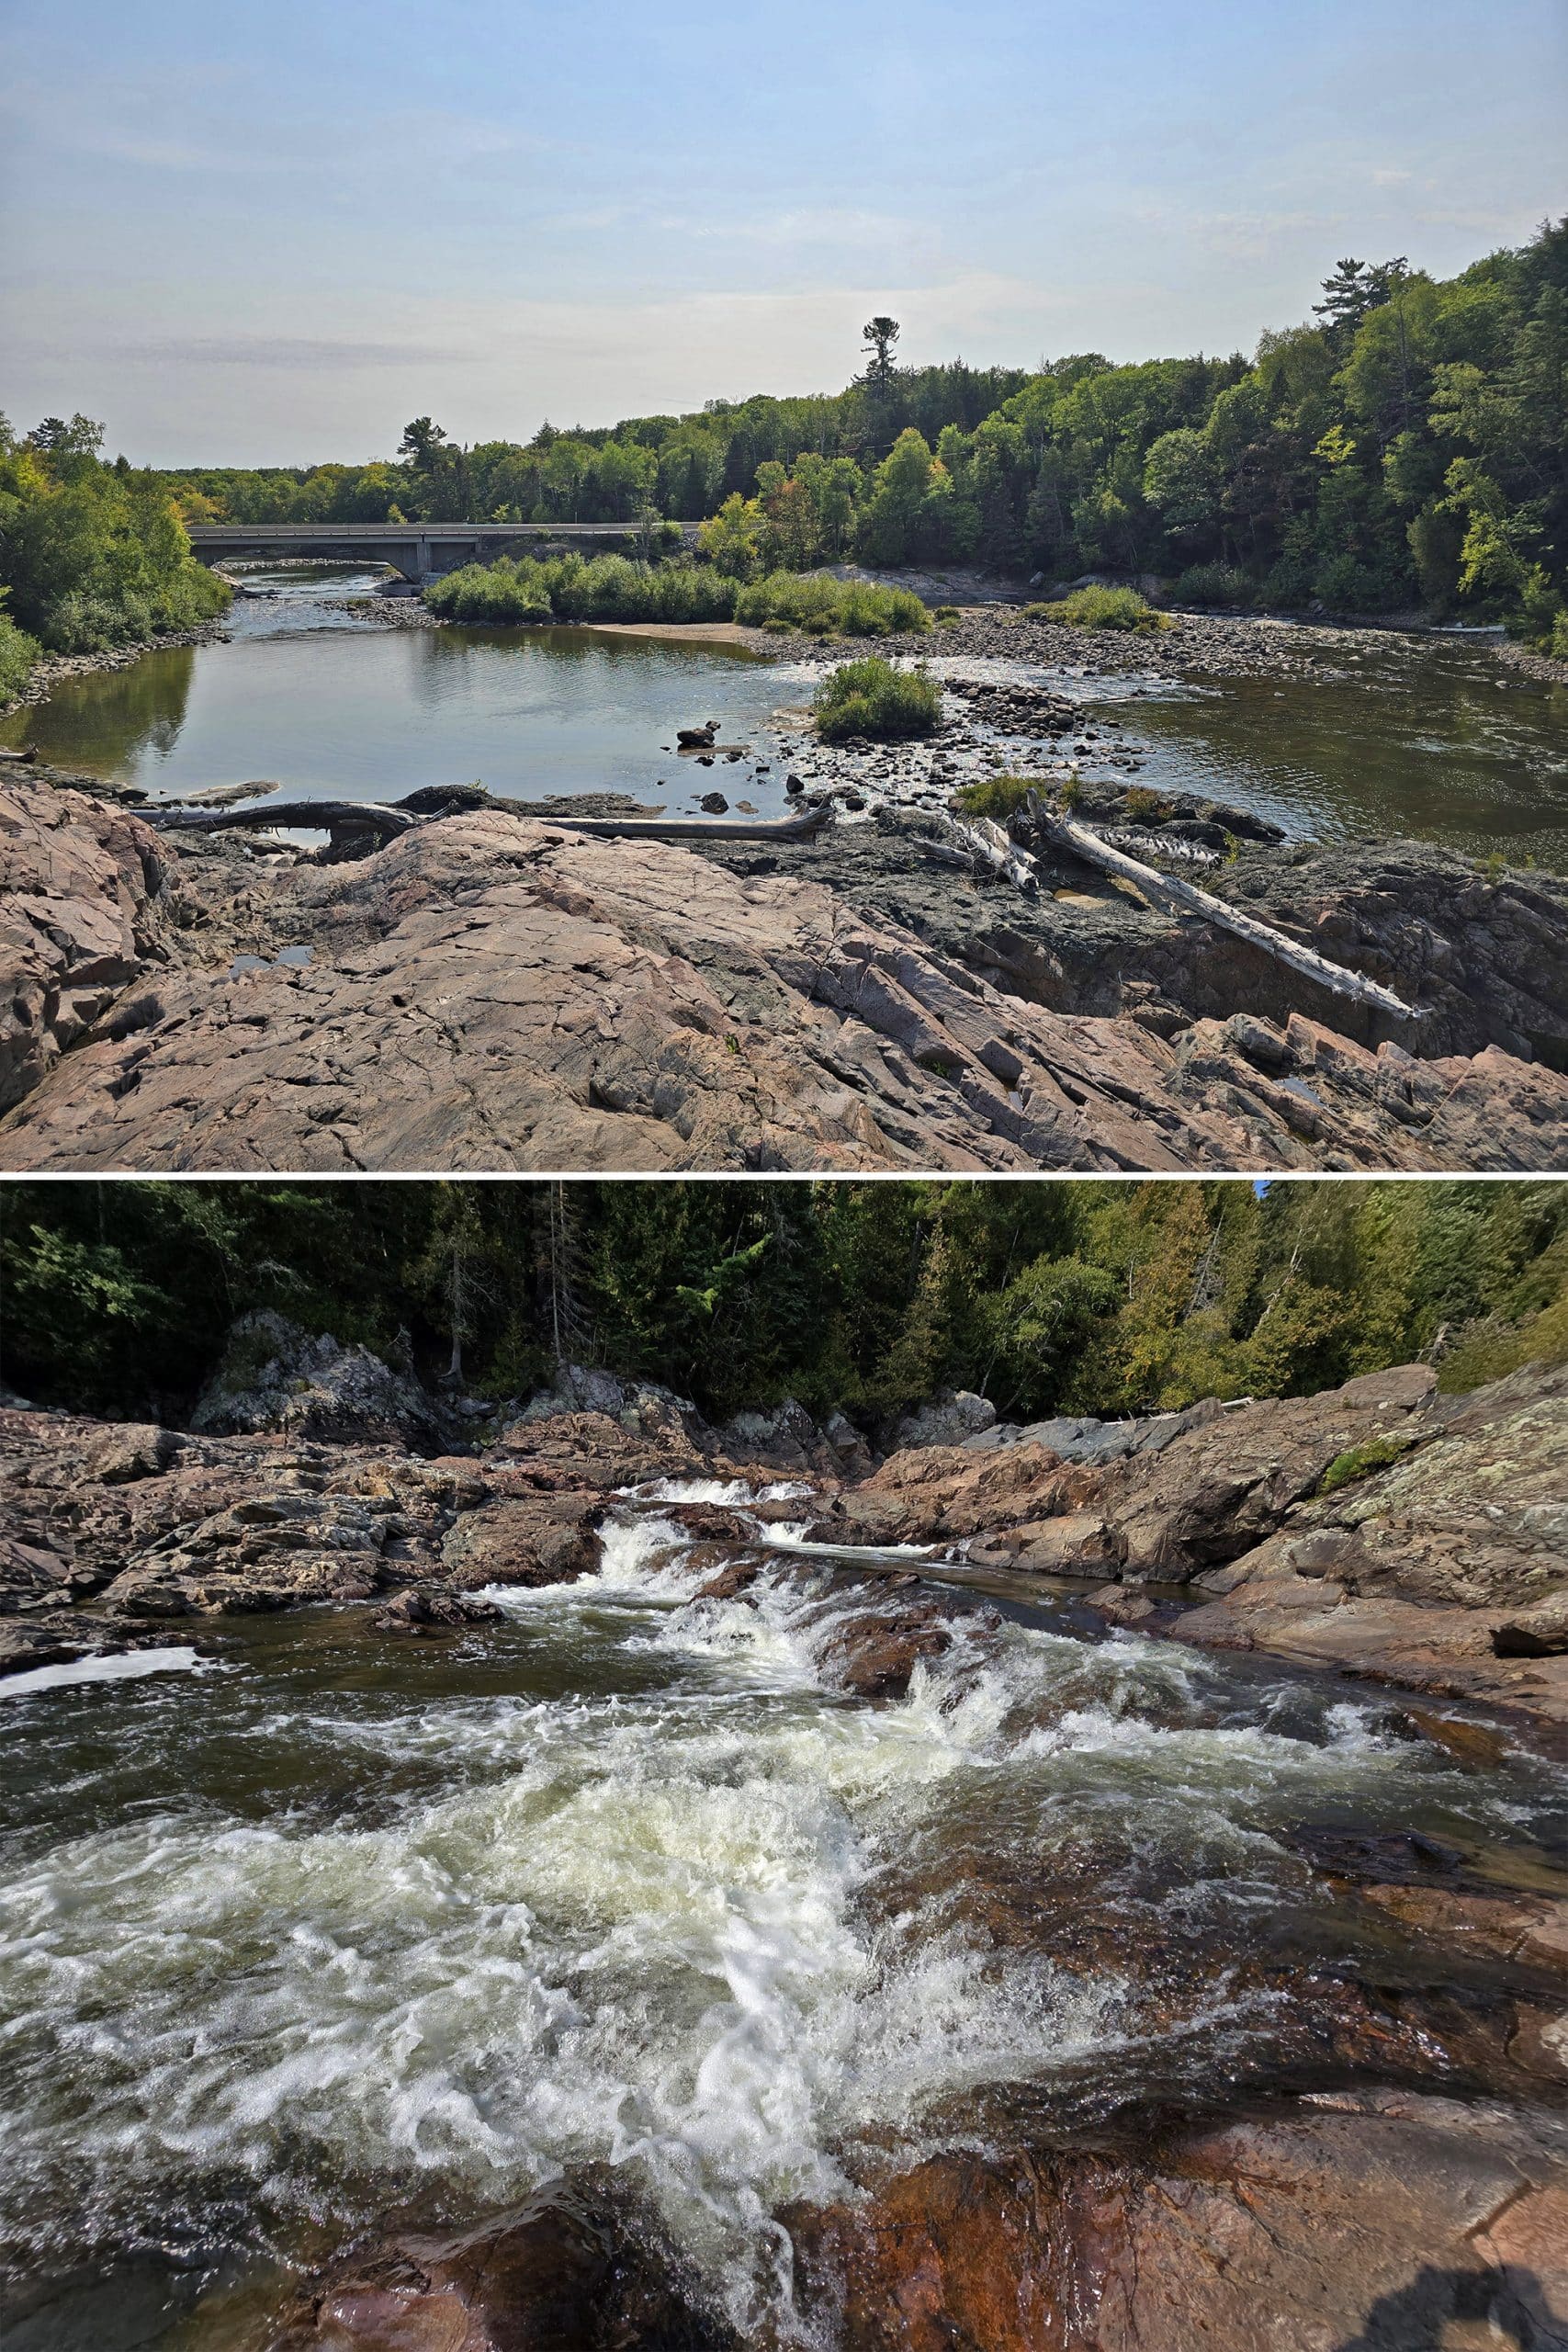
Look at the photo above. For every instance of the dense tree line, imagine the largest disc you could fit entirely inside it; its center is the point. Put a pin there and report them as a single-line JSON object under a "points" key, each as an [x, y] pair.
{"points": [[1405, 448], [91, 554], [1096, 1296]]}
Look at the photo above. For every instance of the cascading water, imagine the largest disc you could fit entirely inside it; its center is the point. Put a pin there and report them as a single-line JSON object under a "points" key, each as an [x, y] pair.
{"points": [[630, 1879]]}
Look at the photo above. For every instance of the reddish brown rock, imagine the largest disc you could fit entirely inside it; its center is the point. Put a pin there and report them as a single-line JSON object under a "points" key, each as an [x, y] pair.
{"points": [[1423, 1571], [78, 922], [552, 2277], [1341, 2223], [490, 993], [543, 1539]]}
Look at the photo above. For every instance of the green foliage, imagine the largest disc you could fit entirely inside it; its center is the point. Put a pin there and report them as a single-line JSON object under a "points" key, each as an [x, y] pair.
{"points": [[1001, 796], [871, 699], [819, 606], [1145, 807], [1361, 1461], [1118, 608], [1100, 1297], [1214, 583], [1410, 443], [91, 555], [18, 653], [565, 588]]}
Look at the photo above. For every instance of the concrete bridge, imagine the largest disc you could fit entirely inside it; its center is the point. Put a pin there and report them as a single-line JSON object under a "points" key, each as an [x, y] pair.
{"points": [[416, 550]]}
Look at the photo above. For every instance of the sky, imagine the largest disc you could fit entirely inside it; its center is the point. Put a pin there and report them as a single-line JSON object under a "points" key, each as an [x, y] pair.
{"points": [[269, 233]]}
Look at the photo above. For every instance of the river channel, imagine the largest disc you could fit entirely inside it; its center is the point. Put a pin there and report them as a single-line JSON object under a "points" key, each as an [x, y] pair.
{"points": [[320, 1922], [1430, 737]]}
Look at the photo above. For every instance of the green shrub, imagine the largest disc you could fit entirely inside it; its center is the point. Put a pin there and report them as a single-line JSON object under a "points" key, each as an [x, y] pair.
{"points": [[18, 651], [1121, 608], [1214, 583], [872, 698], [1038, 612], [1145, 807], [1362, 1460], [567, 588], [1001, 796], [818, 606], [947, 616]]}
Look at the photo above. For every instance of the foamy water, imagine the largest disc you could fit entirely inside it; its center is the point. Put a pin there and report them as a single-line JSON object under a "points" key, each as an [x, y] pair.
{"points": [[631, 1915]]}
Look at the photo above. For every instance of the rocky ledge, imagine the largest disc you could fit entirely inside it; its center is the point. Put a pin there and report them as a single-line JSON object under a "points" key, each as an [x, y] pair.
{"points": [[492, 992]]}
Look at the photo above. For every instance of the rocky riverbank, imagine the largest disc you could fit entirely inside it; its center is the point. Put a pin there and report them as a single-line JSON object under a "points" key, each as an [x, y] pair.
{"points": [[492, 992], [1377, 2150], [1381, 1527], [55, 668]]}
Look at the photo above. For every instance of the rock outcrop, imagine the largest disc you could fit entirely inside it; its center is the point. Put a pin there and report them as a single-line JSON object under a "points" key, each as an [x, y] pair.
{"points": [[109, 1533], [1348, 2222], [1379, 1526], [79, 923], [489, 992], [276, 1377]]}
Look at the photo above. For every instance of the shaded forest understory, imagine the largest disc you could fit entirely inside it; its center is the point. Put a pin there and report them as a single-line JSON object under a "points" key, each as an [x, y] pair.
{"points": [[1093, 1297]]}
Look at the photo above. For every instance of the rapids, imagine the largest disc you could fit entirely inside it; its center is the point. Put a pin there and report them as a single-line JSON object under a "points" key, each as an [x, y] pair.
{"points": [[336, 1924]]}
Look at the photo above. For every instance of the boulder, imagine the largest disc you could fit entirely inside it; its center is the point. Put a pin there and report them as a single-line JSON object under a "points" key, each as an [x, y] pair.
{"points": [[949, 1418], [531, 1540], [275, 1376]]}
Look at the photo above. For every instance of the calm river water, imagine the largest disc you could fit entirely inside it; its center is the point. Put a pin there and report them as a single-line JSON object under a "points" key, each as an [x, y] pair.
{"points": [[334, 1921], [1430, 737]]}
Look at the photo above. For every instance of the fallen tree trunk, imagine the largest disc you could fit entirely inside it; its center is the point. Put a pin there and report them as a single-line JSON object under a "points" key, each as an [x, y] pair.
{"points": [[1164, 889], [697, 828], [287, 816], [329, 816]]}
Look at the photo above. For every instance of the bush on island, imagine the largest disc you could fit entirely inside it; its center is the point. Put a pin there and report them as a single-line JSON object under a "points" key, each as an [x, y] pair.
{"points": [[567, 588], [870, 697], [818, 606], [1121, 608]]}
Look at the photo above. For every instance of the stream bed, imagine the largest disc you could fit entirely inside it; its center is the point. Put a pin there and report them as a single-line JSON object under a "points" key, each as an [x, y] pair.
{"points": [[324, 1923], [1430, 737]]}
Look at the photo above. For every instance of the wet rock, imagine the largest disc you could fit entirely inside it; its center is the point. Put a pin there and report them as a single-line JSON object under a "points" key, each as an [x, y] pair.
{"points": [[419, 1612], [554, 2276], [875, 1655], [1339, 2221], [714, 803]]}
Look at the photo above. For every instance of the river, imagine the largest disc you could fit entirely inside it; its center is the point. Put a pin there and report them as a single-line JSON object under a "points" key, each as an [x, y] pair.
{"points": [[1423, 736], [323, 1922]]}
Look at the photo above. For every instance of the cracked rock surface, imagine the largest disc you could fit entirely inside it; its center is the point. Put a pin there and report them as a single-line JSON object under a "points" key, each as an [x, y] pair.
{"points": [[492, 993]]}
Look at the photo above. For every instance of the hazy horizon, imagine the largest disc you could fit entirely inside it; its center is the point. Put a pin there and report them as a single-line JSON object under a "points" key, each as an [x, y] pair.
{"points": [[272, 238]]}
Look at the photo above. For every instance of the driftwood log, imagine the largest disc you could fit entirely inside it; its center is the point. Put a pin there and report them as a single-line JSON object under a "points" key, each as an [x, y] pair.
{"points": [[287, 816], [1164, 889], [371, 816]]}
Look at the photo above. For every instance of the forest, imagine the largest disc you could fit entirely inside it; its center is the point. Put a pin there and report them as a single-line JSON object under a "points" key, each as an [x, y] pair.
{"points": [[1405, 449], [92, 554], [1097, 1296]]}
